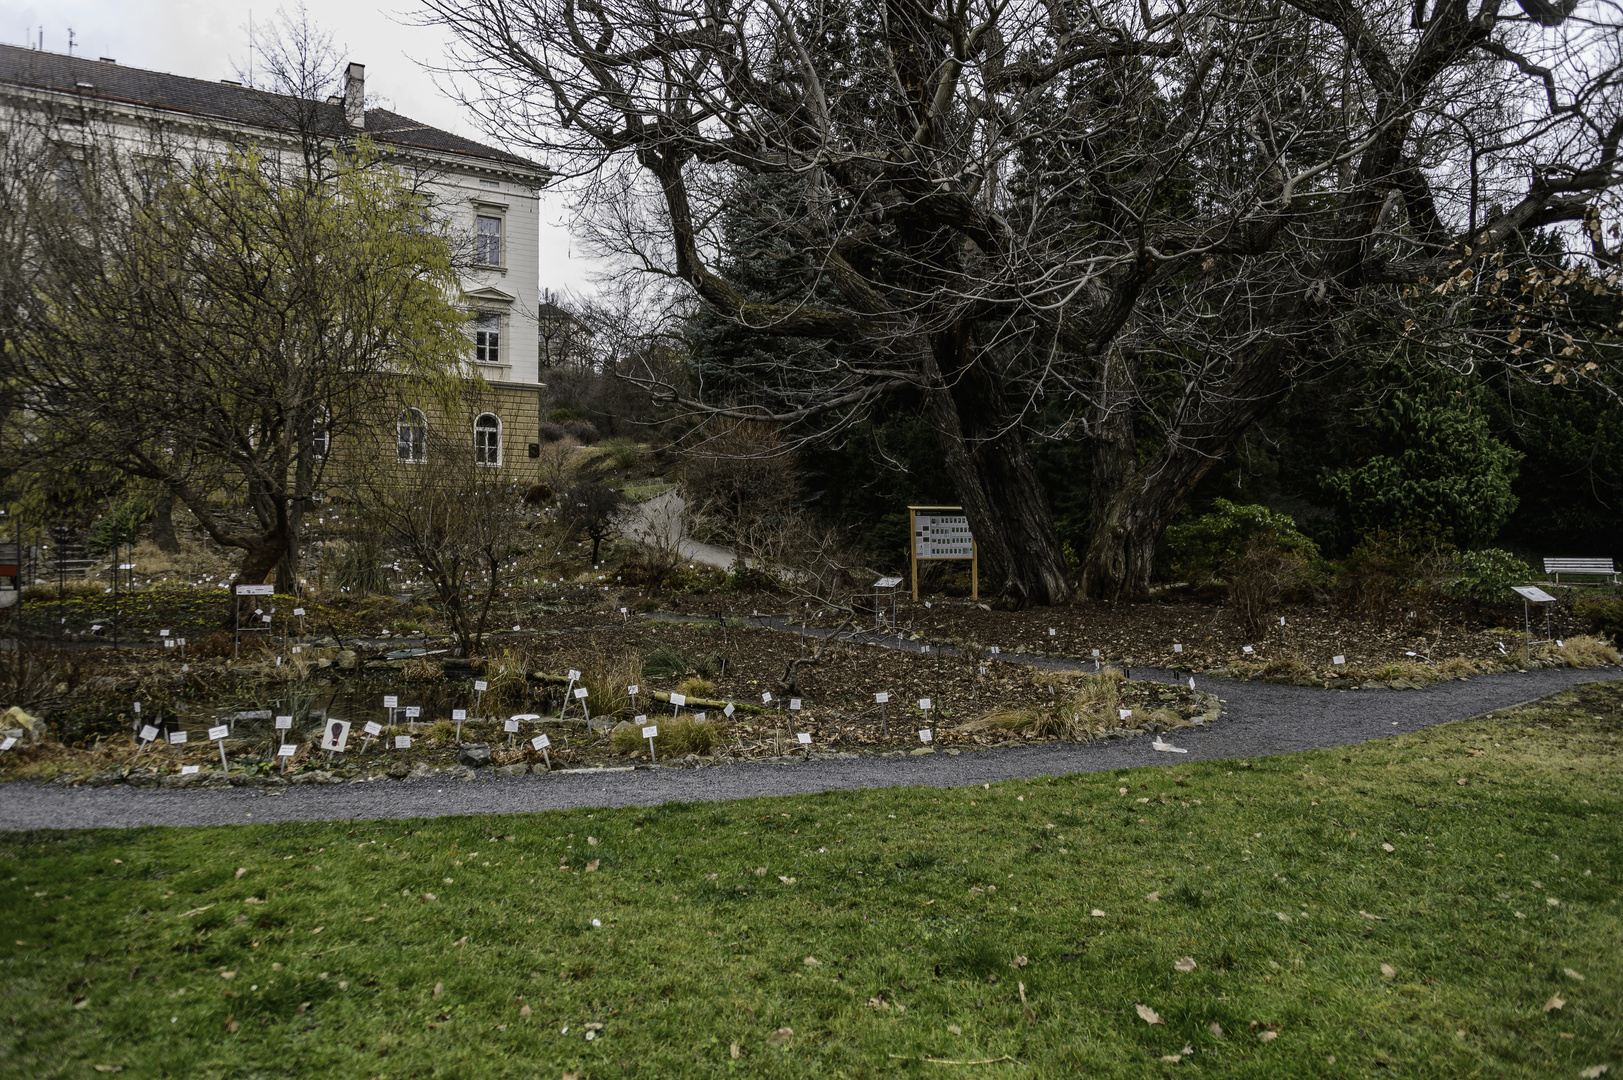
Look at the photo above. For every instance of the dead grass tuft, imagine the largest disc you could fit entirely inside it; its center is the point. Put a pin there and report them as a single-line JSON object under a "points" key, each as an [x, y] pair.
{"points": [[1583, 651], [676, 738]]}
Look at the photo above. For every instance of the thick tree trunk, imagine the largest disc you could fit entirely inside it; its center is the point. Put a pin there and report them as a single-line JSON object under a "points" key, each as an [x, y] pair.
{"points": [[994, 476], [163, 524], [1134, 504]]}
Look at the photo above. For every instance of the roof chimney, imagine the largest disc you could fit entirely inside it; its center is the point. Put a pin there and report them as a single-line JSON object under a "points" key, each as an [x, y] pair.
{"points": [[355, 96]]}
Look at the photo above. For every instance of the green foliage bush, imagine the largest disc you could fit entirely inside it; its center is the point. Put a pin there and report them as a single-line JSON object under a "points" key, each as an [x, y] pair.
{"points": [[1604, 615], [621, 451], [1202, 549], [1438, 464], [119, 525], [1386, 565], [1485, 576]]}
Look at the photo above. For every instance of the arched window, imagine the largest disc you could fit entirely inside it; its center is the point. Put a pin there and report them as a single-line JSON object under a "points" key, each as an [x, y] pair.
{"points": [[411, 437], [487, 439]]}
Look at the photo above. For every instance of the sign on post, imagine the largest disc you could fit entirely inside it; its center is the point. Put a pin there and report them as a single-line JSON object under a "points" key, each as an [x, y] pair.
{"points": [[942, 533]]}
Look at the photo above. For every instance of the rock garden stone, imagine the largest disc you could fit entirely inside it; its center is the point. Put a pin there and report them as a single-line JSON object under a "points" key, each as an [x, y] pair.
{"points": [[475, 754]]}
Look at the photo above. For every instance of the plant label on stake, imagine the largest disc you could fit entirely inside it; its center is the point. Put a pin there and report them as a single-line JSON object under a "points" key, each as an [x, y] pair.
{"points": [[728, 711], [402, 743], [632, 690], [372, 729], [335, 737], [286, 751], [148, 733], [805, 740], [190, 770], [926, 735], [219, 733], [649, 733], [459, 715], [412, 712], [1123, 715], [511, 727], [1177, 648], [177, 738], [11, 740], [564, 709], [479, 687], [1246, 649], [391, 703], [1338, 660], [881, 699], [677, 701], [581, 694], [766, 699], [541, 742]]}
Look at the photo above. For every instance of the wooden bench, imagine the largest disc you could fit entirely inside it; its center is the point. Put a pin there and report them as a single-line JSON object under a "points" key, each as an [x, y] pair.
{"points": [[1602, 568]]}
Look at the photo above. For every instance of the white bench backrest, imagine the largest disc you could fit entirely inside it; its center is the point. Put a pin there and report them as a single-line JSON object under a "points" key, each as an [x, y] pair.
{"points": [[1579, 566]]}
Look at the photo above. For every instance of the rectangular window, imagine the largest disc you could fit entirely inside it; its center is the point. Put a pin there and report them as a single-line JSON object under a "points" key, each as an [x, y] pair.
{"points": [[487, 338], [487, 241]]}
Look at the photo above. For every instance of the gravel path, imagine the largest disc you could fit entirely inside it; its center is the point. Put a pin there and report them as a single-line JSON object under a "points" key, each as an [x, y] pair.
{"points": [[1260, 719]]}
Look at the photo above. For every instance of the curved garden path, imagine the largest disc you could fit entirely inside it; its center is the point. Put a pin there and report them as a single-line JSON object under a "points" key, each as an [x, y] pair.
{"points": [[1259, 719]]}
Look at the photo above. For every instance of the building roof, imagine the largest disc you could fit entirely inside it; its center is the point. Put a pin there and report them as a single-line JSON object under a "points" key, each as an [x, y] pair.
{"points": [[104, 80]]}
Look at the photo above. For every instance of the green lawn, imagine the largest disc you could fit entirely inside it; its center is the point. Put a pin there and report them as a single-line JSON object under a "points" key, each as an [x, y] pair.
{"points": [[902, 932]]}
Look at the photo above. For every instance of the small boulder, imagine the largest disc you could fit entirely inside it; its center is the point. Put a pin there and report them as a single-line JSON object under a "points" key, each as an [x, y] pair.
{"points": [[517, 769], [398, 770], [348, 660], [318, 777], [423, 771], [475, 754], [142, 778]]}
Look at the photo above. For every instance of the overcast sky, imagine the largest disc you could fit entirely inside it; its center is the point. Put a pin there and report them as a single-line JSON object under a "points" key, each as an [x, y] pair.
{"points": [[208, 39]]}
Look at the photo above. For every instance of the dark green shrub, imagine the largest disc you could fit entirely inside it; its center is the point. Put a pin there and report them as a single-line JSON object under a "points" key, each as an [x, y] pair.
{"points": [[1604, 615], [1485, 576], [1386, 565], [1200, 550], [119, 525]]}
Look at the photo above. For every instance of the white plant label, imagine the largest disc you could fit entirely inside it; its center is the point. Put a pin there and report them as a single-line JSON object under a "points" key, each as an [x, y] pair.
{"points": [[679, 700], [1096, 653], [169, 643], [702, 717], [283, 723], [188, 770], [223, 731], [925, 735], [256, 590], [402, 742], [794, 704], [148, 733], [1338, 660], [1177, 648], [298, 611], [510, 725], [390, 701], [729, 710], [574, 676], [481, 685], [766, 698], [163, 633], [335, 736], [413, 711], [651, 731], [540, 742], [287, 749], [632, 689], [1245, 648], [373, 728], [459, 714], [580, 693], [996, 650], [264, 618], [137, 708], [805, 738], [1052, 632], [177, 738], [924, 703], [1124, 714], [7, 743], [1282, 618], [882, 698]]}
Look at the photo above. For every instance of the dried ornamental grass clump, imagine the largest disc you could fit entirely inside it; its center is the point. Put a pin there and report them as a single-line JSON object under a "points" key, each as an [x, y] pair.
{"points": [[677, 737], [1582, 651]]}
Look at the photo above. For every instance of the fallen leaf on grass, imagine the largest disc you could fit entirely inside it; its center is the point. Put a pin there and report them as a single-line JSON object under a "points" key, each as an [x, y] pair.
{"points": [[1019, 962], [524, 1013], [1554, 1003], [735, 1052], [591, 867], [303, 1008], [1267, 1036], [1388, 847], [120, 1068], [786, 880], [457, 944], [1216, 1029], [812, 961], [228, 974], [955, 1029], [1153, 897], [439, 988], [1588, 1074], [1573, 974], [878, 1003], [1173, 1059], [231, 1024], [1149, 1015], [81, 1002], [1367, 915], [1097, 914], [1185, 964], [760, 871], [1388, 971], [781, 1036], [241, 870]]}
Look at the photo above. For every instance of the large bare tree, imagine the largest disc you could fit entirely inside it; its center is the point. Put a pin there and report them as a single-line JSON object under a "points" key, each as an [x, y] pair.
{"points": [[1133, 223]]}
